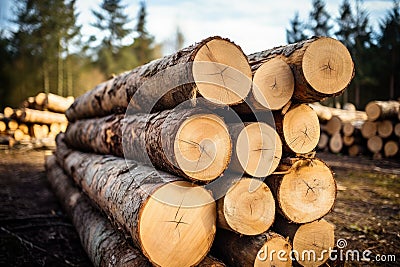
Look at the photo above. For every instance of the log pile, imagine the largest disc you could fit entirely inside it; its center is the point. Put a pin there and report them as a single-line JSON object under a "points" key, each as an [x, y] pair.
{"points": [[206, 151], [374, 132], [36, 123]]}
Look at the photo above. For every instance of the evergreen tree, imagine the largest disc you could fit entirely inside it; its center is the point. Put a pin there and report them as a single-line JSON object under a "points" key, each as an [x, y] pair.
{"points": [[143, 43], [296, 33], [345, 22], [389, 44], [319, 19], [179, 39], [112, 20]]}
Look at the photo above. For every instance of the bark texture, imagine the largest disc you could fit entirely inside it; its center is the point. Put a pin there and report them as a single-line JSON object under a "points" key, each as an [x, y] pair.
{"points": [[103, 244], [165, 90], [146, 138]]}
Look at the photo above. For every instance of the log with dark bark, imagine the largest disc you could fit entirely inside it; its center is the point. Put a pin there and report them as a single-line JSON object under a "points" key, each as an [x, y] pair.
{"points": [[53, 102], [382, 110], [312, 242], [257, 148], [104, 245], [39, 116], [299, 129], [247, 251], [192, 143], [306, 191], [322, 67], [247, 208], [172, 221], [214, 68]]}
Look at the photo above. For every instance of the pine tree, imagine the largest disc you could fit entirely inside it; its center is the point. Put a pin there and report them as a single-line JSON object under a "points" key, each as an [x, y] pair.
{"points": [[319, 19], [296, 33], [345, 22], [179, 39], [389, 44]]}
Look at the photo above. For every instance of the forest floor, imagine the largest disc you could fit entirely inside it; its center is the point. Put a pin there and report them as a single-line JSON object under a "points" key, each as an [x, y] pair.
{"points": [[34, 231]]}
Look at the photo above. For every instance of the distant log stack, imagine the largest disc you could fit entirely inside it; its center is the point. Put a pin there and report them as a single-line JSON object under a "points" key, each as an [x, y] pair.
{"points": [[37, 122], [149, 161], [375, 132]]}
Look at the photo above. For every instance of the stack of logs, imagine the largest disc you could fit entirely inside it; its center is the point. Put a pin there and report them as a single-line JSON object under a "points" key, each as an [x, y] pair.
{"points": [[37, 122], [375, 132], [204, 152]]}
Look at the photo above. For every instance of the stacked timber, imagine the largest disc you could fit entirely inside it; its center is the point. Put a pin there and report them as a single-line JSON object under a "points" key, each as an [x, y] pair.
{"points": [[206, 151], [36, 122], [375, 131]]}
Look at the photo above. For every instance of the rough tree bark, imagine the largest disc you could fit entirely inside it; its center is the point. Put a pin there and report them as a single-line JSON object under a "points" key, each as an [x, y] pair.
{"points": [[192, 143], [246, 251], [322, 67], [214, 68], [305, 191], [104, 245], [172, 221]]}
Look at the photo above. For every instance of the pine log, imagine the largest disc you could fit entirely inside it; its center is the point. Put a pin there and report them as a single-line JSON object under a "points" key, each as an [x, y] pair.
{"points": [[191, 143], [39, 116], [397, 129], [8, 112], [333, 126], [311, 242], [325, 113], [322, 67], [355, 150], [382, 110], [3, 126], [375, 144], [391, 148], [306, 192], [24, 128], [247, 208], [257, 149], [369, 129], [348, 140], [12, 125], [54, 102], [348, 129], [385, 128], [247, 251], [323, 141], [336, 143], [214, 68], [18, 135], [104, 245], [172, 221], [273, 84], [299, 128], [55, 128]]}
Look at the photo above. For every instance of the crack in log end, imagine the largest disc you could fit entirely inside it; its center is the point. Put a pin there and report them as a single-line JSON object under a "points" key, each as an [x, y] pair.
{"points": [[275, 85], [180, 221], [328, 67], [308, 187]]}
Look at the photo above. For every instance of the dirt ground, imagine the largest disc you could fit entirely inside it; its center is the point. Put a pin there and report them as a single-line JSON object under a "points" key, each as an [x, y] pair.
{"points": [[35, 232]]}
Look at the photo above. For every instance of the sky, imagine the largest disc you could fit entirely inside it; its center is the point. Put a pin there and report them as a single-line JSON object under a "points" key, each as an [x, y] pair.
{"points": [[254, 25]]}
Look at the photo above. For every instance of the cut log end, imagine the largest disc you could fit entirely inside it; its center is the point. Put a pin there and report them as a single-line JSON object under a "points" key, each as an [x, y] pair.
{"points": [[249, 207], [258, 149], [203, 147], [327, 66], [375, 144], [273, 84], [274, 243], [391, 148], [181, 213], [301, 129], [307, 192], [385, 128], [221, 72], [336, 143]]}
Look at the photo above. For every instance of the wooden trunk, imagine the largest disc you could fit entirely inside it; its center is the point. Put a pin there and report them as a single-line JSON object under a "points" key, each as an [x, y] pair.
{"points": [[369, 129], [382, 110], [311, 242], [323, 141], [39, 116], [299, 129], [336, 143], [322, 67], [192, 143], [257, 149], [247, 251], [3, 126], [214, 68], [391, 148], [305, 192], [53, 102], [375, 144], [385, 128], [104, 246], [325, 113], [356, 149], [397, 129], [333, 126], [247, 208], [172, 221]]}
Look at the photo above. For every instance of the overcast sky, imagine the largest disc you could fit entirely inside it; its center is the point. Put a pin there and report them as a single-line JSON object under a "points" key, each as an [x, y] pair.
{"points": [[254, 25]]}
